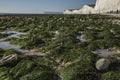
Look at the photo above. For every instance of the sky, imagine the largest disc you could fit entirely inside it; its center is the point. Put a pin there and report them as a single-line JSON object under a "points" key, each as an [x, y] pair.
{"points": [[39, 6]]}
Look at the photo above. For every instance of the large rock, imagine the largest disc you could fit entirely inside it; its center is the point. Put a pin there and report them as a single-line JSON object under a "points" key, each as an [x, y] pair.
{"points": [[102, 64], [8, 59]]}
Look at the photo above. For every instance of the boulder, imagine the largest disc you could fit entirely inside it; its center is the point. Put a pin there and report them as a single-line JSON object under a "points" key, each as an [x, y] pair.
{"points": [[102, 64], [8, 59]]}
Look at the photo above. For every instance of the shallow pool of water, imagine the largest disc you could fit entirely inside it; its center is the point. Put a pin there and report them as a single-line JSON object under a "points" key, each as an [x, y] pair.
{"points": [[105, 52], [13, 34], [6, 44], [80, 38]]}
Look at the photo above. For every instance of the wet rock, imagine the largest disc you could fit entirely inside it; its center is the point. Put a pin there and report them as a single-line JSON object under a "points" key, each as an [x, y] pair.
{"points": [[102, 64], [8, 59]]}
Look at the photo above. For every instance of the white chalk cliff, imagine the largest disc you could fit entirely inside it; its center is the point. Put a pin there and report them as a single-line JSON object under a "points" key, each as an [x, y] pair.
{"points": [[101, 6]]}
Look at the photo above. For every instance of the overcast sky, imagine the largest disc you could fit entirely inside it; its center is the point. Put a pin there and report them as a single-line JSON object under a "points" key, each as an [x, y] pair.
{"points": [[38, 6]]}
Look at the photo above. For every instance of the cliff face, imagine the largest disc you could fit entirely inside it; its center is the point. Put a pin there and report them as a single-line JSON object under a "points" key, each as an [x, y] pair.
{"points": [[84, 10], [107, 5], [101, 6]]}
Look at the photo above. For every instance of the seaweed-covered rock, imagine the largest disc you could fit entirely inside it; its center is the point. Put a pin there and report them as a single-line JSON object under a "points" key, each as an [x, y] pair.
{"points": [[81, 69], [111, 76], [11, 51], [41, 73], [22, 68], [8, 59], [1, 52], [3, 35], [4, 74], [102, 64]]}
